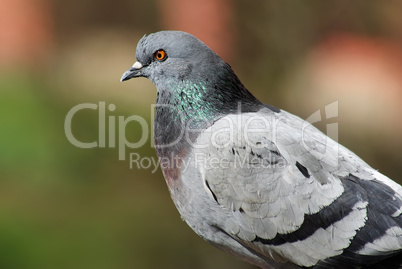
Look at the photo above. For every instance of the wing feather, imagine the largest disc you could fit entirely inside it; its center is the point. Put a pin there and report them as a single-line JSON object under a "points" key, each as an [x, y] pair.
{"points": [[272, 171]]}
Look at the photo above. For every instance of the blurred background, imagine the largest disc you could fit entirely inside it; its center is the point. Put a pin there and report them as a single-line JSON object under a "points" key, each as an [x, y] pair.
{"points": [[66, 207]]}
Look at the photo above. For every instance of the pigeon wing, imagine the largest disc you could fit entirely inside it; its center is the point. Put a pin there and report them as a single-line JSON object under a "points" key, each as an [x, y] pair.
{"points": [[294, 194]]}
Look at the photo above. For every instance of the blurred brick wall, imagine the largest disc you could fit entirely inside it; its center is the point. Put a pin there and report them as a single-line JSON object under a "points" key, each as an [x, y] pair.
{"points": [[26, 29], [210, 20]]}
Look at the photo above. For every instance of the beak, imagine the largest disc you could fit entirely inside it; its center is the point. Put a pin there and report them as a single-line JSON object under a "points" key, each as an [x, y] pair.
{"points": [[134, 71]]}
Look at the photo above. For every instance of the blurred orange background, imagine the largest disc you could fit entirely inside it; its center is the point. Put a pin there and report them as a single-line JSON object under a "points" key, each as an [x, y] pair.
{"points": [[66, 207]]}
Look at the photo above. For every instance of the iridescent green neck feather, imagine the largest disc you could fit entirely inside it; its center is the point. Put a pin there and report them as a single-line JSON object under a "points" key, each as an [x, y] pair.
{"points": [[184, 106], [189, 99]]}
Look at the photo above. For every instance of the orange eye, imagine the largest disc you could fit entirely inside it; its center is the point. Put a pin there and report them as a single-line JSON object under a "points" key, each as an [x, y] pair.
{"points": [[160, 55]]}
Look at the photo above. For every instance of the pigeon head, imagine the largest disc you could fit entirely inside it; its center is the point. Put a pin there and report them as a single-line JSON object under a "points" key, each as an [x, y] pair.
{"points": [[172, 56], [194, 85], [185, 69]]}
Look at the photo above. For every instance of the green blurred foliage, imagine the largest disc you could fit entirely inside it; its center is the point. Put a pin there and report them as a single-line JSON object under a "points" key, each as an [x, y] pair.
{"points": [[66, 207]]}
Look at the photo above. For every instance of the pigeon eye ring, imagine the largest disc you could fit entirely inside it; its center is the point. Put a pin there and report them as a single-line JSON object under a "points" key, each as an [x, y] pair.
{"points": [[160, 55]]}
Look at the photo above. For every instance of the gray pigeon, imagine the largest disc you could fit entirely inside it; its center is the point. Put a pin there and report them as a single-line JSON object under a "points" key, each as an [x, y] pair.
{"points": [[257, 181]]}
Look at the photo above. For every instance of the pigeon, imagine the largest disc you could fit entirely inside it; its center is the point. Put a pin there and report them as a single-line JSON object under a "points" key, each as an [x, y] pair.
{"points": [[256, 181]]}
